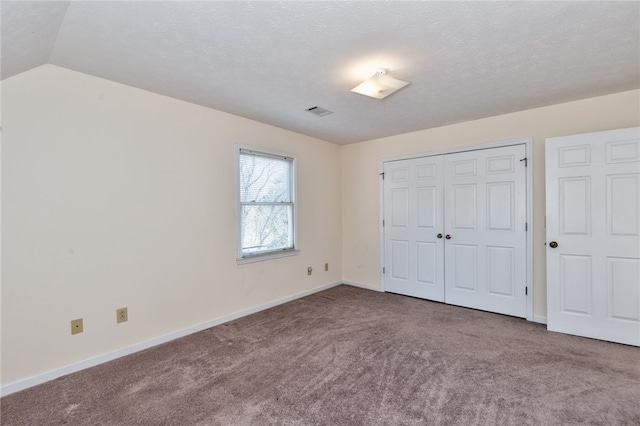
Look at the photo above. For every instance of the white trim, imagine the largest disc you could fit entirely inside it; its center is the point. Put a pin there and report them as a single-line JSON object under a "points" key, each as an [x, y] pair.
{"points": [[540, 319], [529, 213], [294, 195], [137, 347], [528, 143], [310, 292], [261, 257], [362, 285], [381, 227], [510, 142]]}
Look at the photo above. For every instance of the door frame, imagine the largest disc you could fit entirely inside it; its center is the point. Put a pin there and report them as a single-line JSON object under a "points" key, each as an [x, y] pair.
{"points": [[528, 143]]}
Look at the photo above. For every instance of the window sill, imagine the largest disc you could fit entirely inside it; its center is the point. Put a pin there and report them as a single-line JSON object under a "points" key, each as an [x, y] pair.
{"points": [[268, 256]]}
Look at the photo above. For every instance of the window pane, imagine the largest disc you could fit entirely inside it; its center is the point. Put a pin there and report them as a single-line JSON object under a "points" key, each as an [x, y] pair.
{"points": [[266, 228], [264, 179]]}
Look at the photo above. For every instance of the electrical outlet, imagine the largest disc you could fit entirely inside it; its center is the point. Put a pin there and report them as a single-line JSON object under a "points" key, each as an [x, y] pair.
{"points": [[326, 267], [309, 270], [122, 315], [76, 326]]}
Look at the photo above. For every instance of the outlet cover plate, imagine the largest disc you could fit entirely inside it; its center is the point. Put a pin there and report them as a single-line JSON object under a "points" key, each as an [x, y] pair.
{"points": [[76, 326], [122, 315]]}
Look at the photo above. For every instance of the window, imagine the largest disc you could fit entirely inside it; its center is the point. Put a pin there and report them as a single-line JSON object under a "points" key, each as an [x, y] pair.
{"points": [[266, 204]]}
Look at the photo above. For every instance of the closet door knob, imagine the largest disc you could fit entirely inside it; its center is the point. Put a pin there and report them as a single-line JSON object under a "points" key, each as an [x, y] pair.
{"points": [[448, 237], [439, 235], [553, 244]]}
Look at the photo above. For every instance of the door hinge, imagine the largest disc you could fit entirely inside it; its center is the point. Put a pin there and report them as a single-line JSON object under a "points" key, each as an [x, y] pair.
{"points": [[526, 226], [383, 223], [382, 174], [526, 291], [383, 270], [525, 161]]}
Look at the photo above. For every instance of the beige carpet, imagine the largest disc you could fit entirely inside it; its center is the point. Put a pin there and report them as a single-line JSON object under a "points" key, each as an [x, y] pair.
{"points": [[348, 356]]}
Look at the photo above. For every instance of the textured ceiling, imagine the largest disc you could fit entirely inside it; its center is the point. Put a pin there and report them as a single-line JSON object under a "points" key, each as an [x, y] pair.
{"points": [[269, 61]]}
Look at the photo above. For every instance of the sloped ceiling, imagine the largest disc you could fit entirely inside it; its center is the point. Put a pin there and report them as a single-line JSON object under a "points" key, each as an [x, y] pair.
{"points": [[270, 61]]}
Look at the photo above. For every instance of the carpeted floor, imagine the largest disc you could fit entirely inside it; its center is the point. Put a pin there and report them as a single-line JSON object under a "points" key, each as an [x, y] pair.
{"points": [[348, 356]]}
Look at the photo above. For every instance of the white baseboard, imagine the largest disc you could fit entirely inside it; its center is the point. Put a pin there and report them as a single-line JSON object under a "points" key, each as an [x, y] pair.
{"points": [[536, 318], [19, 385], [540, 319], [362, 285], [308, 293]]}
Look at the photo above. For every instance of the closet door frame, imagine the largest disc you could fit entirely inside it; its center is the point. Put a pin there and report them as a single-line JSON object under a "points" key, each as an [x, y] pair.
{"points": [[528, 143]]}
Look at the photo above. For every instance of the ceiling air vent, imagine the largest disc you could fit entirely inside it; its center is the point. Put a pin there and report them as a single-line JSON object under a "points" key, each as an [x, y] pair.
{"points": [[321, 112]]}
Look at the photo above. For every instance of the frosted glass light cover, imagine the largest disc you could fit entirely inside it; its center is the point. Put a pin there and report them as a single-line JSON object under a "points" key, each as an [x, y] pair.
{"points": [[379, 86]]}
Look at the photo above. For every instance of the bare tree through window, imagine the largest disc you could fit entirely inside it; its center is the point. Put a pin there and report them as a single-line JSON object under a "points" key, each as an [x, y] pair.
{"points": [[266, 200]]}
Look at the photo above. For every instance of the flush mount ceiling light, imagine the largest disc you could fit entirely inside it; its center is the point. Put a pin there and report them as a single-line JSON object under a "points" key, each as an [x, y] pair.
{"points": [[379, 85]]}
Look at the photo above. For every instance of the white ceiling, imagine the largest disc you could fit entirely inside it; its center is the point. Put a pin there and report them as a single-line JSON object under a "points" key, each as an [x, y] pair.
{"points": [[269, 61]]}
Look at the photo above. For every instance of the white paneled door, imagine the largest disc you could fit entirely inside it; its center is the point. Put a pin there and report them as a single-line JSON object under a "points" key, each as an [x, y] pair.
{"points": [[454, 228], [413, 216], [485, 219], [593, 229]]}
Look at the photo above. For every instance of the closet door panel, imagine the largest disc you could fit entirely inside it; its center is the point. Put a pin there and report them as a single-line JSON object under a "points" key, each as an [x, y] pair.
{"points": [[485, 214], [413, 208], [476, 202]]}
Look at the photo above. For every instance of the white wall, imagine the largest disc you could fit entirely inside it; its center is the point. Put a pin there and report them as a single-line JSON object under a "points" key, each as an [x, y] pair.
{"points": [[113, 196], [361, 165]]}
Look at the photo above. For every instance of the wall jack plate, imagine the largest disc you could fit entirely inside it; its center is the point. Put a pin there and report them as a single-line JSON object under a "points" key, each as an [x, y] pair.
{"points": [[122, 315], [76, 326]]}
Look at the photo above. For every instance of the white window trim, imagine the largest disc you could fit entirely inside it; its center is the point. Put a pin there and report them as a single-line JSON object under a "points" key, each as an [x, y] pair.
{"points": [[271, 254]]}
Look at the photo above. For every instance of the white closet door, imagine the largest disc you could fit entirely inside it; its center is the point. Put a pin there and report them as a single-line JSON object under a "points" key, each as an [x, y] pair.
{"points": [[485, 215], [413, 219], [593, 228]]}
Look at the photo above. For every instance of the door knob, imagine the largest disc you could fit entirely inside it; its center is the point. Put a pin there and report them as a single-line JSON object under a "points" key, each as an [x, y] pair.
{"points": [[553, 244], [448, 237], [439, 235]]}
